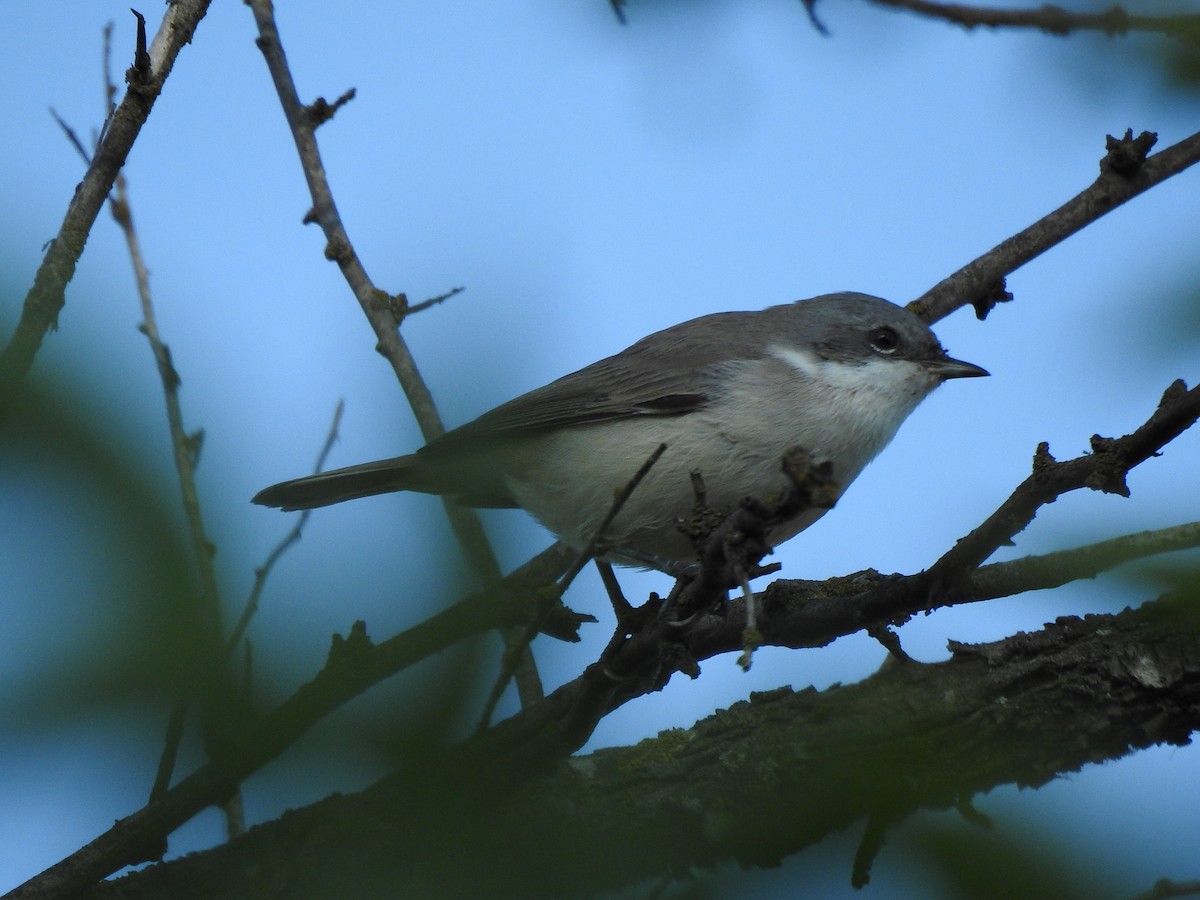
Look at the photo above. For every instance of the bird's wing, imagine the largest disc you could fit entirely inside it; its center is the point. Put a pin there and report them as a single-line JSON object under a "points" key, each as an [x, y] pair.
{"points": [[574, 400], [667, 374]]}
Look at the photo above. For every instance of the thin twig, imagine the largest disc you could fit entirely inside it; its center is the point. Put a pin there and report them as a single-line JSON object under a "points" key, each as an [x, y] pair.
{"points": [[433, 301], [600, 535], [1104, 469], [1051, 570], [185, 449], [589, 552], [172, 740], [72, 137], [263, 572], [751, 638]]}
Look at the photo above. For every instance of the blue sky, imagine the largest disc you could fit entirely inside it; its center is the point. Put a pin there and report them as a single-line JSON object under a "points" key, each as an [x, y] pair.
{"points": [[587, 184]]}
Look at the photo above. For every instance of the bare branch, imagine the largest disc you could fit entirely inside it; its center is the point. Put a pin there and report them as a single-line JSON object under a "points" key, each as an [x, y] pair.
{"points": [[339, 249], [72, 137], [980, 283], [185, 449], [433, 301], [46, 297], [264, 571], [1054, 19], [1035, 573], [1104, 469]]}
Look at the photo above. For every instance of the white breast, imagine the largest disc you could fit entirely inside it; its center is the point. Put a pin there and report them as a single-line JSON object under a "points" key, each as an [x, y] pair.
{"points": [[847, 414]]}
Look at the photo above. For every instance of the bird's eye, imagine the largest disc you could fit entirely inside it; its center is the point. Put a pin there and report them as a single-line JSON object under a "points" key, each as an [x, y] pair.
{"points": [[884, 340]]}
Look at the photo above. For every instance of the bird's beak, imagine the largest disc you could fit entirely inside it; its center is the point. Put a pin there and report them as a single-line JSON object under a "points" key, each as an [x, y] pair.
{"points": [[947, 367]]}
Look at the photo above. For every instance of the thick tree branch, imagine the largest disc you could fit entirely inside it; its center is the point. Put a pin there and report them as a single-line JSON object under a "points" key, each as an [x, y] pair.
{"points": [[751, 784], [1125, 172], [46, 298]]}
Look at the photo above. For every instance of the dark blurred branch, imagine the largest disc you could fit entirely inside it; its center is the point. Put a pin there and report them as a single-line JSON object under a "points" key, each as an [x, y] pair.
{"points": [[1039, 573], [206, 606], [46, 297], [382, 311], [1054, 19], [752, 784], [1165, 888], [186, 449], [1125, 172], [354, 665]]}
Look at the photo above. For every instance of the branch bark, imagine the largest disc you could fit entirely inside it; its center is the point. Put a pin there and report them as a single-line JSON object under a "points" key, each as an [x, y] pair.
{"points": [[1054, 19], [751, 784]]}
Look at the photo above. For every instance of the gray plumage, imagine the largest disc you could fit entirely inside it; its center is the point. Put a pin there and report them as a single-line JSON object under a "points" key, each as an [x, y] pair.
{"points": [[728, 393]]}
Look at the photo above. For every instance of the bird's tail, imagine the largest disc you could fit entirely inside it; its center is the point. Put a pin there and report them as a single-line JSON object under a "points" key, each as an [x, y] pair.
{"points": [[325, 488]]}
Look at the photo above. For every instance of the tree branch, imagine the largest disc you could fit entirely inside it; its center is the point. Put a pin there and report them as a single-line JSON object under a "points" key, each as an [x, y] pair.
{"points": [[1104, 469], [47, 296], [292, 537], [751, 784], [1053, 19], [1125, 172]]}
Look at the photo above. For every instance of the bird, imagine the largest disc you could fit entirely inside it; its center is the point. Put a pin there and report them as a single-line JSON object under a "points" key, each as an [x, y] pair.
{"points": [[728, 394]]}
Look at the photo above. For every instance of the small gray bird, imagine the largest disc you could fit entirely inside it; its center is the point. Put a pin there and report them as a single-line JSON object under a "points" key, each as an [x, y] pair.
{"points": [[728, 394]]}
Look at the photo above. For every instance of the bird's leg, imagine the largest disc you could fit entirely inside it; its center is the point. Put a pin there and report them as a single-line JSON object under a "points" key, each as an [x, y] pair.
{"points": [[751, 637]]}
